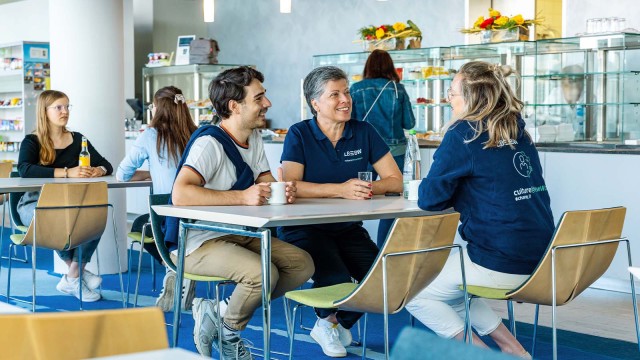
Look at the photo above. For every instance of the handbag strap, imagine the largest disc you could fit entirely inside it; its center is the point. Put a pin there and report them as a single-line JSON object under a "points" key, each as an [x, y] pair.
{"points": [[378, 97]]}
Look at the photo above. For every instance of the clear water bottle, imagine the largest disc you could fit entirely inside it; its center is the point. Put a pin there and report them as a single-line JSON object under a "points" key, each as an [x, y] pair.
{"points": [[411, 169], [578, 123]]}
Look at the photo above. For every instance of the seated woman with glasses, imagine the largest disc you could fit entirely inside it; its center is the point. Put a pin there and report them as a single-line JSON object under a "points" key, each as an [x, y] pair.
{"points": [[53, 152], [488, 169], [161, 145]]}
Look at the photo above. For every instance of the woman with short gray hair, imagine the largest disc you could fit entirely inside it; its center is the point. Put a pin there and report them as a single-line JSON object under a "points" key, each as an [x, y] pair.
{"points": [[324, 155]]}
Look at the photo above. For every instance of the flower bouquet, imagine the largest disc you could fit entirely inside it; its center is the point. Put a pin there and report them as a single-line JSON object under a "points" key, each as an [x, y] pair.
{"points": [[497, 27], [389, 37]]}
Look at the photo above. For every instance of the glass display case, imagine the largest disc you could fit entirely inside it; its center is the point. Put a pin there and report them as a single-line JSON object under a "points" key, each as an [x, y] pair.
{"points": [[193, 80], [581, 89], [24, 74], [422, 72], [588, 89]]}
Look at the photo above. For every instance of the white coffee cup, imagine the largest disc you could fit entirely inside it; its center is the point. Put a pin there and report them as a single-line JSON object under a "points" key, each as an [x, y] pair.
{"points": [[413, 190], [278, 193]]}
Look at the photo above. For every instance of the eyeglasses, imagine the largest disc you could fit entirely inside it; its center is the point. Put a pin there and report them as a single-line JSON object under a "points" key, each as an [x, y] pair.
{"points": [[59, 108], [151, 107], [450, 94]]}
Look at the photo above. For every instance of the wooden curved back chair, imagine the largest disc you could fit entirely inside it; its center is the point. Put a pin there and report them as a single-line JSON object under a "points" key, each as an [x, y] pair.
{"points": [[413, 255], [581, 250], [66, 216], [70, 214], [94, 334]]}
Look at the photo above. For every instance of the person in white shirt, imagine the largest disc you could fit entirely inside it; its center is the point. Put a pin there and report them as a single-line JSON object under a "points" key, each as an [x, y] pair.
{"points": [[227, 165]]}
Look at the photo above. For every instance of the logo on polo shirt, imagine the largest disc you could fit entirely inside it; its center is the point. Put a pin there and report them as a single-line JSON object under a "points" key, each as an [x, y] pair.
{"points": [[349, 155], [522, 163]]}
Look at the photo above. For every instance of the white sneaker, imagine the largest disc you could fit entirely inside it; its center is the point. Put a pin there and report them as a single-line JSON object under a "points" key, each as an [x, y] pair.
{"points": [[92, 280], [345, 336], [328, 337], [165, 299], [71, 286]]}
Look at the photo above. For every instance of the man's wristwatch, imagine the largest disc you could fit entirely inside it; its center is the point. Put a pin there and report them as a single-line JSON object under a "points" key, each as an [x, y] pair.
{"points": [[104, 170], [66, 172]]}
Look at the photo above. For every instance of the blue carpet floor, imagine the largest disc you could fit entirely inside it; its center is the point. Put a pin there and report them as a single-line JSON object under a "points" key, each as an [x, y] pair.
{"points": [[571, 345]]}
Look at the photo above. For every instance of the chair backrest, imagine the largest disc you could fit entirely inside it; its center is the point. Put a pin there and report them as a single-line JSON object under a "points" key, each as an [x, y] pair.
{"points": [[5, 169], [82, 334], [156, 227], [83, 219], [407, 275], [578, 267]]}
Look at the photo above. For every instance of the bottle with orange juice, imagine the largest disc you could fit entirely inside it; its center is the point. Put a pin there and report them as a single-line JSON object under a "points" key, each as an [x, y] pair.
{"points": [[85, 157]]}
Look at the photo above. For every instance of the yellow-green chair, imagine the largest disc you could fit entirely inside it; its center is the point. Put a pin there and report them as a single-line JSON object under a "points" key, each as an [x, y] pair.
{"points": [[158, 236], [581, 250], [413, 255]]}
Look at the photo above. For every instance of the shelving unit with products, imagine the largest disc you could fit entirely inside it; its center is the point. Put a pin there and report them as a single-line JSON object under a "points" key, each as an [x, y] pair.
{"points": [[580, 89], [24, 74], [193, 80]]}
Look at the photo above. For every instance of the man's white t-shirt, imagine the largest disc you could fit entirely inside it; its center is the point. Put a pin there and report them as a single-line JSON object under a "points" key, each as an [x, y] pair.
{"points": [[208, 159]]}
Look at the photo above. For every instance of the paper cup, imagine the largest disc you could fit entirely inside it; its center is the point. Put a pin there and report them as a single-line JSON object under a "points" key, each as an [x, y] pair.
{"points": [[413, 190]]}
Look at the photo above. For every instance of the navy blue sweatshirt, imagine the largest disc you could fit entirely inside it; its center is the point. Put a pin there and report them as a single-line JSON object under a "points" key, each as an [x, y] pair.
{"points": [[500, 193]]}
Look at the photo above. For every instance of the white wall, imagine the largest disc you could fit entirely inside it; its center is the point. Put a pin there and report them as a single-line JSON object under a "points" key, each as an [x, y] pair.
{"points": [[282, 45], [24, 20], [575, 13]]}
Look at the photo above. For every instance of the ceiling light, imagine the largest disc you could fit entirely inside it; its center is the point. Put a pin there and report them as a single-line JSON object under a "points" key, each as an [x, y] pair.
{"points": [[285, 6], [209, 10]]}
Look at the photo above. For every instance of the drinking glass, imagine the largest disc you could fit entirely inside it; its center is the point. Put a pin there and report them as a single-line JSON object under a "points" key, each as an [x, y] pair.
{"points": [[365, 176]]}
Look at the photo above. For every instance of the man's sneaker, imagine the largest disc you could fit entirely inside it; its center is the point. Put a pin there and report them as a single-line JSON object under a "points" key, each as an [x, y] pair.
{"points": [[328, 338], [92, 280], [71, 286], [165, 299], [188, 293], [234, 349], [345, 336], [205, 329]]}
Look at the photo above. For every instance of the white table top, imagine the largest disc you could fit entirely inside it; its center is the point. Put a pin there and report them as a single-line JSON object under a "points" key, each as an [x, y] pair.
{"points": [[11, 309], [165, 354], [303, 212], [34, 184]]}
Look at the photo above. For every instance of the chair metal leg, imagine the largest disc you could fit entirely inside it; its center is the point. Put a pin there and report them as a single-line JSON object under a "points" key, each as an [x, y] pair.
{"points": [[535, 331], [135, 298], [553, 304], [634, 300], [79, 248], [129, 270], [153, 274], [512, 318], [292, 336], [115, 241], [220, 325], [364, 336]]}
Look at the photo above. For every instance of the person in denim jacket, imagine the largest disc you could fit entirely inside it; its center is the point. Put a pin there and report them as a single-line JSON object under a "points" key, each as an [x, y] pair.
{"points": [[382, 101]]}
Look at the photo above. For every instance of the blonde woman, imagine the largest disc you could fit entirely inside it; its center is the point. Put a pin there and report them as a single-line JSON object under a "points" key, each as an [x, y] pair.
{"points": [[488, 169], [53, 151]]}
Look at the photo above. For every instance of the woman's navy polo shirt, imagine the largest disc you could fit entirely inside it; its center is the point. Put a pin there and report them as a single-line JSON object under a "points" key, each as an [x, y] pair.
{"points": [[359, 146]]}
